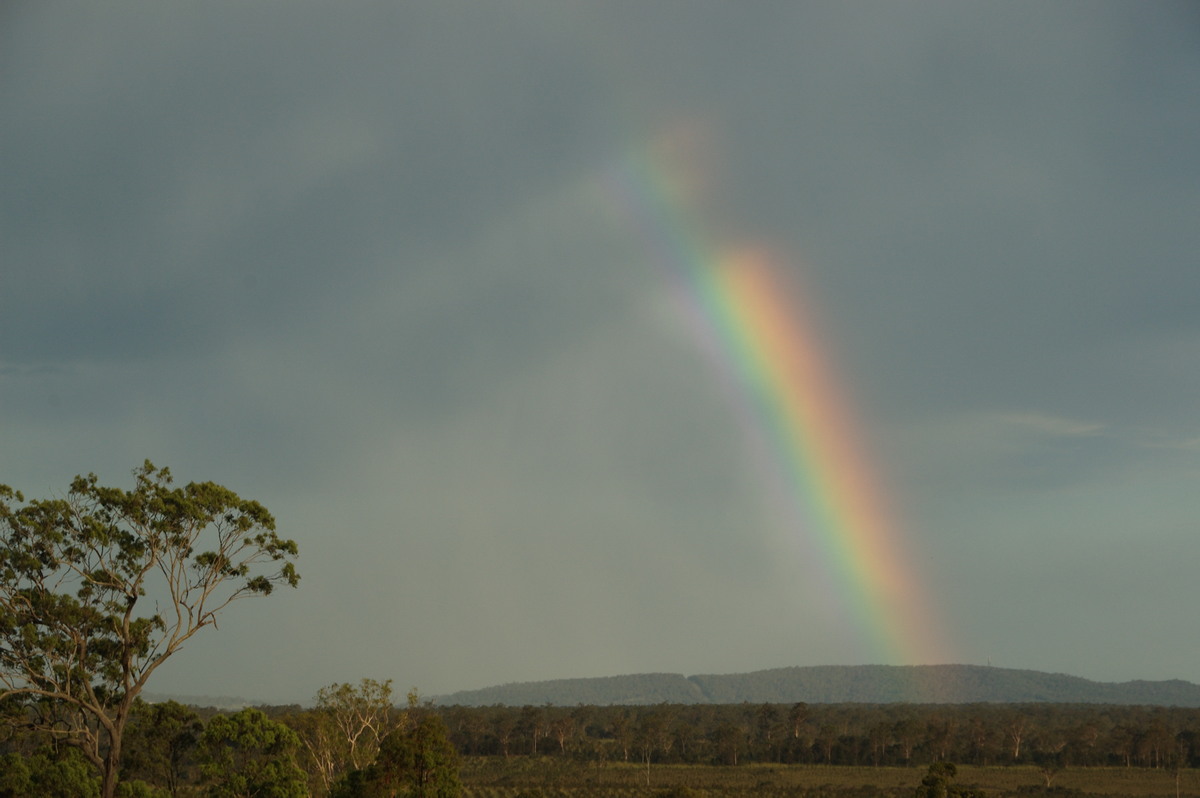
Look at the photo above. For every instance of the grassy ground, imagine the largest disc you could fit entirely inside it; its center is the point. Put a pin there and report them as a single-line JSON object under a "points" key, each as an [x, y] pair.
{"points": [[554, 778]]}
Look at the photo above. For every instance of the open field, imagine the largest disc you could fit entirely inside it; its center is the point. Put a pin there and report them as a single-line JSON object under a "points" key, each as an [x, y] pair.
{"points": [[555, 778]]}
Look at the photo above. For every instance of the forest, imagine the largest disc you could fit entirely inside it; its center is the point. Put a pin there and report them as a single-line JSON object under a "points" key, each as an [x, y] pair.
{"points": [[1079, 735], [352, 733]]}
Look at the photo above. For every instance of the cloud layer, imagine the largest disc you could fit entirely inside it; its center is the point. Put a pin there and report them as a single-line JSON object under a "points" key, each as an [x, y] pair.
{"points": [[360, 264]]}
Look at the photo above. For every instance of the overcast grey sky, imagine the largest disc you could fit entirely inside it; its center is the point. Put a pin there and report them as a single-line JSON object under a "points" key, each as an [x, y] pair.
{"points": [[357, 261]]}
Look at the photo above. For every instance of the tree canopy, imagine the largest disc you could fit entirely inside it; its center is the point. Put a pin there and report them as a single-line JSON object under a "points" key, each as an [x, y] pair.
{"points": [[248, 754], [342, 733], [418, 761], [98, 588]]}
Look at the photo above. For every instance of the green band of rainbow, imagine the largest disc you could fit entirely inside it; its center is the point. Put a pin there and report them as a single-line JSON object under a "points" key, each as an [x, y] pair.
{"points": [[762, 337]]}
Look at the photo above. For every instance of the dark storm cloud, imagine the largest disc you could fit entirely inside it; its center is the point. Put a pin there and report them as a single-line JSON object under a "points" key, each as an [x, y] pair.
{"points": [[361, 263], [982, 186], [239, 166]]}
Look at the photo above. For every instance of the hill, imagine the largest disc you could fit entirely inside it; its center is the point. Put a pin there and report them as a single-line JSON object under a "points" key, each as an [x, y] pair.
{"points": [[223, 702], [837, 684]]}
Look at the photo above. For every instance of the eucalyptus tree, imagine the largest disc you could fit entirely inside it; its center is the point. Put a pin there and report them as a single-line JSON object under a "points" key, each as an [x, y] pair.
{"points": [[159, 743], [248, 754], [420, 760], [653, 735], [100, 587], [767, 732], [415, 760], [563, 729], [343, 732]]}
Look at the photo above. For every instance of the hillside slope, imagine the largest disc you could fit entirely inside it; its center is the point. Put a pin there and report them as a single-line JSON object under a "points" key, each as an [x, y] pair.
{"points": [[834, 684]]}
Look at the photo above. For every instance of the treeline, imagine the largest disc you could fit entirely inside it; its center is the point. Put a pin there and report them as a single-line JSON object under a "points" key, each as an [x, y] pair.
{"points": [[1051, 735], [354, 744], [355, 737]]}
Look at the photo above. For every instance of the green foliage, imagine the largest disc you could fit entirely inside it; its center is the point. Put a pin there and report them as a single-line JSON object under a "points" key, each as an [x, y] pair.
{"points": [[1054, 736], [938, 783], [140, 789], [355, 784], [248, 754], [74, 571], [342, 732], [417, 762], [680, 791], [61, 775], [554, 777], [159, 741], [14, 776], [422, 759]]}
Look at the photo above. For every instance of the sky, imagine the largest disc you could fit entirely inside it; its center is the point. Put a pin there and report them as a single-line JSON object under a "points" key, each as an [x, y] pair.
{"points": [[425, 279]]}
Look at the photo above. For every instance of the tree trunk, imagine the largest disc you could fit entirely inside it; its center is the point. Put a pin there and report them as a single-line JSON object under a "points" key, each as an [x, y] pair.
{"points": [[112, 766]]}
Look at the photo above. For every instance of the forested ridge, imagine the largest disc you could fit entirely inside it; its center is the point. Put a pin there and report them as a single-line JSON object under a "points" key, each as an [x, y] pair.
{"points": [[879, 684]]}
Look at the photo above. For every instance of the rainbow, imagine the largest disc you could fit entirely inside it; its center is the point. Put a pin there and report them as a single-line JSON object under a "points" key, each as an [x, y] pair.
{"points": [[766, 344]]}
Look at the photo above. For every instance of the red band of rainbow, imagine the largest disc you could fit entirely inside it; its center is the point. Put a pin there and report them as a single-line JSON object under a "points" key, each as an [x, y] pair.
{"points": [[761, 335]]}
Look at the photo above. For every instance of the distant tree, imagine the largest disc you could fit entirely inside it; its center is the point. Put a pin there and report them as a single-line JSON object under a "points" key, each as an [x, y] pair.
{"points": [[475, 730], [653, 734], [1049, 765], [355, 784], [978, 736], [827, 740], [503, 728], [422, 759], [728, 738], [939, 783], [1181, 757], [363, 715], [936, 783], [532, 725], [686, 737], [1122, 741], [343, 732], [908, 733], [880, 737], [159, 742], [562, 729], [621, 728], [581, 718], [797, 715], [321, 754], [1084, 742], [136, 788], [766, 731], [74, 571], [1015, 729], [14, 776], [417, 762], [60, 774], [248, 754], [940, 732]]}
